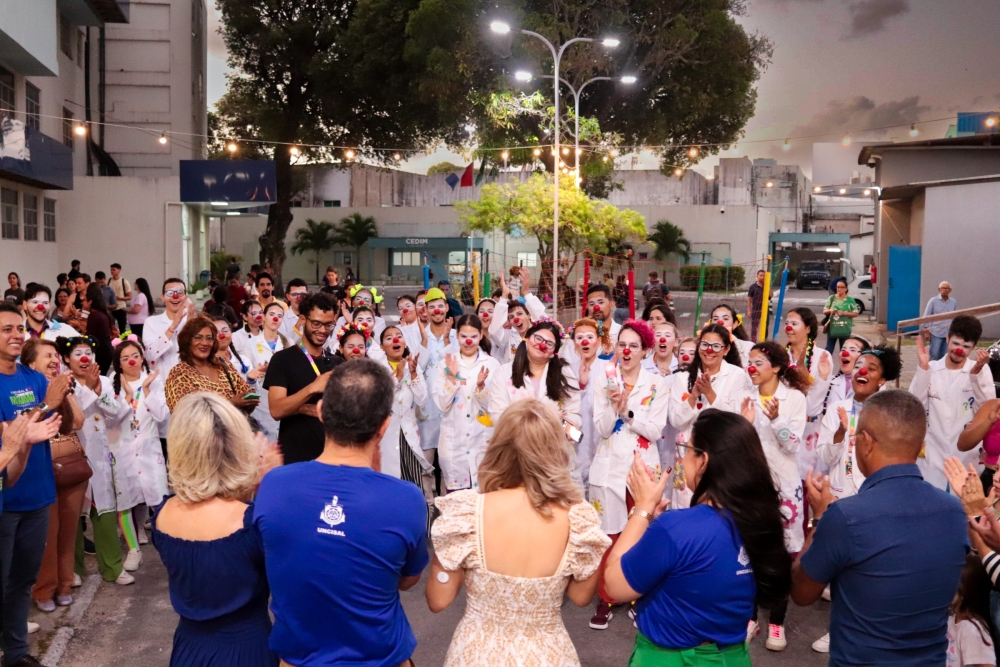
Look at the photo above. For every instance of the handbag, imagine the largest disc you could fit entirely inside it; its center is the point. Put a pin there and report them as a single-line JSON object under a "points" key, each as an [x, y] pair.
{"points": [[73, 468]]}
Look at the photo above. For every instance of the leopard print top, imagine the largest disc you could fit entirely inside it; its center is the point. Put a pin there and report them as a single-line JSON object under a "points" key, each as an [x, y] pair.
{"points": [[184, 379]]}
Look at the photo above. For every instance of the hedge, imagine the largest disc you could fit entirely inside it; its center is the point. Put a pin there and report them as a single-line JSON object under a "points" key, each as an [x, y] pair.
{"points": [[715, 277]]}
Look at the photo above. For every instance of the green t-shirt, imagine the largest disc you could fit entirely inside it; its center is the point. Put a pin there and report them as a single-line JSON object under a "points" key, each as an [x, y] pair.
{"points": [[840, 327]]}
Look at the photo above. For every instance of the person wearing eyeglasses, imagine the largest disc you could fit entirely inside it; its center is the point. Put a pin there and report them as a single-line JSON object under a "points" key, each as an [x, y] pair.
{"points": [[37, 301], [291, 327], [159, 333], [630, 410]]}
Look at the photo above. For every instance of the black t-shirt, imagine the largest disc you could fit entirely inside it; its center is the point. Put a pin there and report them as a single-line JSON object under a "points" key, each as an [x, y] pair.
{"points": [[756, 294], [300, 436]]}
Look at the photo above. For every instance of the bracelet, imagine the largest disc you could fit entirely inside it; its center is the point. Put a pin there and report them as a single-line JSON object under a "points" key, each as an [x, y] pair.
{"points": [[635, 511]]}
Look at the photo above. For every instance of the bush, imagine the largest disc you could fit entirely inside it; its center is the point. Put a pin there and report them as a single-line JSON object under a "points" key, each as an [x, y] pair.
{"points": [[716, 277]]}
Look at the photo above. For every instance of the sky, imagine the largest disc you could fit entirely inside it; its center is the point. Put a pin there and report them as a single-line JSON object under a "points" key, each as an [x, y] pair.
{"points": [[839, 67]]}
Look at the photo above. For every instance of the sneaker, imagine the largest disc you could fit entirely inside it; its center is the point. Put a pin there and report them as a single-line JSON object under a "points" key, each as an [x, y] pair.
{"points": [[33, 627], [602, 616], [124, 579], [753, 629], [26, 661], [132, 560], [46, 605], [143, 538], [775, 638], [632, 615], [826, 593], [88, 547], [822, 645], [77, 580], [64, 600]]}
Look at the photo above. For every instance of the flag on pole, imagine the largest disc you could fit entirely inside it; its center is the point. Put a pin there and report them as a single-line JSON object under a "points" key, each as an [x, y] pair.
{"points": [[452, 180], [467, 177]]}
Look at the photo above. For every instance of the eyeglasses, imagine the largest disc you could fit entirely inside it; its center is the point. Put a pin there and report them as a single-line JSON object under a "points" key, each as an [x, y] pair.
{"points": [[682, 450], [297, 295], [171, 293], [316, 324], [714, 347], [542, 342], [203, 339]]}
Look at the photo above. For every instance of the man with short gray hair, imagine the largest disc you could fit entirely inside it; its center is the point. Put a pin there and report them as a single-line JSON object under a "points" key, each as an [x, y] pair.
{"points": [[340, 539], [938, 331]]}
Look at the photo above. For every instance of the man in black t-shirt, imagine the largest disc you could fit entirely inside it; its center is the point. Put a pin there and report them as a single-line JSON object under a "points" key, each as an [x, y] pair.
{"points": [[296, 378], [755, 302]]}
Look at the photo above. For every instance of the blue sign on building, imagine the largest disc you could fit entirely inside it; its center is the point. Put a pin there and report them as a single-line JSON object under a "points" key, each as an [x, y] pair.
{"points": [[230, 181], [30, 157]]}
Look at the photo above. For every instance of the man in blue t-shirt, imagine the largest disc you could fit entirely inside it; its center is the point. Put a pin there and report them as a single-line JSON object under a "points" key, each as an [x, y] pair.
{"points": [[341, 540], [893, 554], [24, 523]]}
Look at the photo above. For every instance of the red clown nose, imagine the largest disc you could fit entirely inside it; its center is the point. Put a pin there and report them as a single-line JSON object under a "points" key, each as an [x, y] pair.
{"points": [[685, 357], [862, 371], [468, 341], [845, 354], [751, 369], [275, 319], [131, 362], [395, 340], [721, 323], [40, 307], [663, 340], [959, 352], [517, 320], [584, 343], [84, 360], [258, 318], [626, 352], [789, 329]]}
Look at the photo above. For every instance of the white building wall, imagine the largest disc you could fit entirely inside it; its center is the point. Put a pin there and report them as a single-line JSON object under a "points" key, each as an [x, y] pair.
{"points": [[30, 28]]}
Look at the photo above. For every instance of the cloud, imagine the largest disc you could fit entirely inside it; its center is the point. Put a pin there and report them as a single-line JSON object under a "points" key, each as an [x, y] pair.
{"points": [[216, 47], [870, 16]]}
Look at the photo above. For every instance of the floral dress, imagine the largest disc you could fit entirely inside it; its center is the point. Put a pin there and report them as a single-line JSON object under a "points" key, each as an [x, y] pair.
{"points": [[512, 621]]}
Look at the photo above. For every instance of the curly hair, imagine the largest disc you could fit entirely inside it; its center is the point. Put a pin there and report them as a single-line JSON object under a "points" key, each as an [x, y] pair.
{"points": [[888, 357], [778, 357], [642, 329], [186, 336]]}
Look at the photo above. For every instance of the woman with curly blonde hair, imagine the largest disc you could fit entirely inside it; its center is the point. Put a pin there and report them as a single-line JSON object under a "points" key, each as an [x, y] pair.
{"points": [[542, 539]]}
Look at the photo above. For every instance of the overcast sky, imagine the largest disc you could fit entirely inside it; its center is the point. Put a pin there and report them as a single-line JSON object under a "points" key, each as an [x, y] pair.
{"points": [[840, 66]]}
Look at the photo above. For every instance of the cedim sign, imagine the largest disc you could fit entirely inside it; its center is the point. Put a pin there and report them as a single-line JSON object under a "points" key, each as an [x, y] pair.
{"points": [[416, 241]]}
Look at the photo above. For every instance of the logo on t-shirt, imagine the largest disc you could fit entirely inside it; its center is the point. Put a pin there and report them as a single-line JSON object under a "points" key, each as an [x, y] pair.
{"points": [[22, 398], [744, 560], [333, 514]]}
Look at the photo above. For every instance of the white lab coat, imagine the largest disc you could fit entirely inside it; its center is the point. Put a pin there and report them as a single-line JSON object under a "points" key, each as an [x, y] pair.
{"points": [[781, 440], [839, 456], [410, 392], [588, 443], [465, 419], [505, 341], [241, 341], [161, 354], [140, 437], [649, 402], [951, 398], [289, 326], [113, 486], [432, 361], [259, 352], [568, 350], [55, 330], [667, 444], [743, 347], [808, 458], [505, 393]]}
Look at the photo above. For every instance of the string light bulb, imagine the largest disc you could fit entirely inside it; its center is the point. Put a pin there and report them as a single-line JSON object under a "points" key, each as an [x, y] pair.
{"points": [[786, 146], [770, 184], [537, 152], [817, 189], [614, 152], [991, 122], [604, 159], [504, 156], [914, 131], [80, 130], [846, 140], [678, 172], [349, 154], [232, 147], [867, 192], [565, 151], [397, 157], [843, 191], [693, 151], [163, 139], [294, 150]]}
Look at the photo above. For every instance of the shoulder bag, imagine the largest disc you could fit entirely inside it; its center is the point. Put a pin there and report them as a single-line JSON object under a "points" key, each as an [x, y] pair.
{"points": [[72, 468]]}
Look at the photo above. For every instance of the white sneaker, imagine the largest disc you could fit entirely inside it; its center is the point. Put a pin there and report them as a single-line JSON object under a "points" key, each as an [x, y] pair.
{"points": [[77, 580], [753, 629], [124, 579], [33, 627], [775, 638], [822, 645], [143, 538], [826, 593], [132, 560]]}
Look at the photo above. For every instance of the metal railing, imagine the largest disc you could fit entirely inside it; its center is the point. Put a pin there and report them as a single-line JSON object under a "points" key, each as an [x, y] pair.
{"points": [[919, 322]]}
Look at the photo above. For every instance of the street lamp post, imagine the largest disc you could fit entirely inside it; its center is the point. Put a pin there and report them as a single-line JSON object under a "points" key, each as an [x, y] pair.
{"points": [[502, 28]]}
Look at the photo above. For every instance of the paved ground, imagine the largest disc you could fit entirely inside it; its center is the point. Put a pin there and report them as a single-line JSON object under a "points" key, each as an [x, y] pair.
{"points": [[133, 625]]}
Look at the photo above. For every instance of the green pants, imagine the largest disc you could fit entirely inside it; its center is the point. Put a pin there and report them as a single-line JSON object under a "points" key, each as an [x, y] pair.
{"points": [[648, 654], [109, 549]]}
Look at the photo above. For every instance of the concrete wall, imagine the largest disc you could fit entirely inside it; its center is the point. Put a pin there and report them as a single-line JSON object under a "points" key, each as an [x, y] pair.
{"points": [[918, 207], [32, 260], [787, 199], [903, 166], [735, 175], [961, 244], [29, 36], [892, 227]]}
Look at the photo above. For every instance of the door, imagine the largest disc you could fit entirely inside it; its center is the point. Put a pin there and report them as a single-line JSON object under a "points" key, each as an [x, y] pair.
{"points": [[904, 284]]}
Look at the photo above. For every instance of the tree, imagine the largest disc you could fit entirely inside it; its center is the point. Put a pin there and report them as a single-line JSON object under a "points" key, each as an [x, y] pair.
{"points": [[668, 239], [696, 68], [354, 231], [314, 73], [584, 223], [444, 168], [317, 237]]}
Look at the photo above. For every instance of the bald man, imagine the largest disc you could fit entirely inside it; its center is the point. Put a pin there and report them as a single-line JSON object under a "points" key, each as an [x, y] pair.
{"points": [[938, 331], [893, 554]]}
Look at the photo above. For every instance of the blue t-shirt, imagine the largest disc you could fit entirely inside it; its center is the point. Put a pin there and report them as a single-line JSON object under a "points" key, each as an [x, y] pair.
{"points": [[894, 554], [37, 486], [337, 540], [695, 578]]}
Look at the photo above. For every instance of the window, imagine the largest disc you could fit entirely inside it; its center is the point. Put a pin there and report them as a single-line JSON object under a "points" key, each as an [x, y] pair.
{"points": [[527, 259], [865, 284], [65, 37], [30, 217], [344, 258], [50, 220], [9, 227], [67, 128], [406, 259], [331, 203], [32, 106], [6, 90]]}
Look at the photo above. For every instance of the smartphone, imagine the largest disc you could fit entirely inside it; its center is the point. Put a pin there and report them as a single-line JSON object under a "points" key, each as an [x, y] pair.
{"points": [[575, 434], [251, 397]]}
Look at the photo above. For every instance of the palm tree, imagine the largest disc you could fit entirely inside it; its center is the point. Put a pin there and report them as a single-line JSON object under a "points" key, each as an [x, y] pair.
{"points": [[669, 239], [317, 237], [354, 231]]}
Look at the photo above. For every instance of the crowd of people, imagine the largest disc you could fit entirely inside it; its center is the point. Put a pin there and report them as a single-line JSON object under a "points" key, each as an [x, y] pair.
{"points": [[305, 450]]}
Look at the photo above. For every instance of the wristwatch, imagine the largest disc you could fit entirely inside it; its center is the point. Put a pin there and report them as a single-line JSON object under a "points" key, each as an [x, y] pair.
{"points": [[635, 511]]}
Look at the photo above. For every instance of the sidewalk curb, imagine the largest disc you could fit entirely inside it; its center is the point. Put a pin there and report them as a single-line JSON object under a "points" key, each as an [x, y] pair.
{"points": [[60, 641]]}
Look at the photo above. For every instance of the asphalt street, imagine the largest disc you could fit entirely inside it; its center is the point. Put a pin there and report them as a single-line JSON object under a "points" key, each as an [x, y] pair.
{"points": [[113, 625]]}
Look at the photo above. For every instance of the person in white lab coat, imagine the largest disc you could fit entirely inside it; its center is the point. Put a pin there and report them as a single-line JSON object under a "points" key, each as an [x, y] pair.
{"points": [[841, 387], [484, 311], [141, 391], [362, 297], [253, 318], [663, 362], [600, 305], [952, 390], [512, 317], [801, 329], [259, 351], [437, 336], [776, 407], [112, 490], [630, 410], [462, 392], [586, 366], [401, 456], [726, 315], [291, 328], [712, 380]]}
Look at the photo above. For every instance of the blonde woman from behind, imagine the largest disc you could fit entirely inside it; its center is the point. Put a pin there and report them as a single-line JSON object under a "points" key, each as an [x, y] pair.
{"points": [[518, 546]]}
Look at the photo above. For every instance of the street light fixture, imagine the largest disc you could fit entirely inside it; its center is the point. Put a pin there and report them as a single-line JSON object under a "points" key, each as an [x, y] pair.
{"points": [[521, 75], [502, 28]]}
